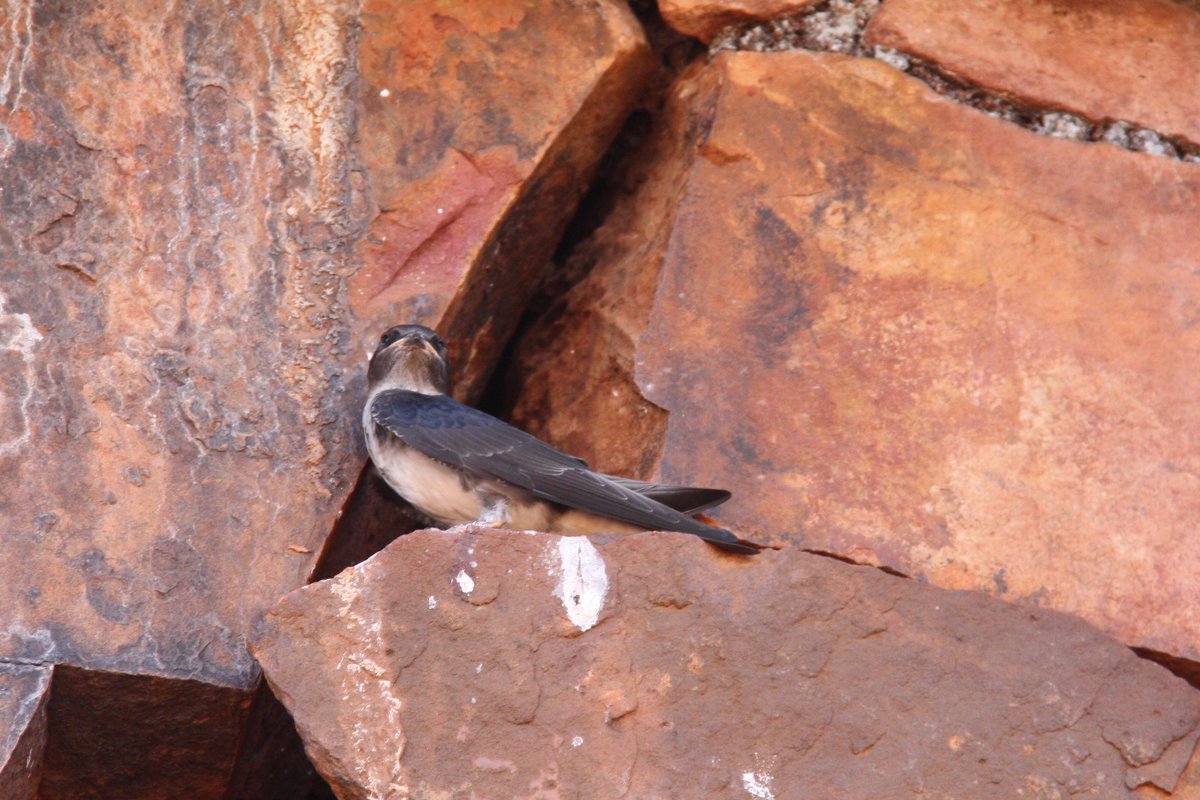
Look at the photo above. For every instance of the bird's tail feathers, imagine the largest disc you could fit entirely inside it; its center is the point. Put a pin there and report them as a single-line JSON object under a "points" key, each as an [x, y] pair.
{"points": [[726, 540], [684, 499]]}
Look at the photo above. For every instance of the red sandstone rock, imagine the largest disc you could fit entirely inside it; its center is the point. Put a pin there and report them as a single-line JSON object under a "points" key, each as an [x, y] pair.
{"points": [[704, 19], [23, 694], [481, 126], [1132, 60], [907, 333], [496, 663], [193, 205], [1186, 788]]}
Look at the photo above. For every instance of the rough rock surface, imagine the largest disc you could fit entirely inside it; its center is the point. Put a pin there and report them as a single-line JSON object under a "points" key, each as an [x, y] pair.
{"points": [[192, 204], [704, 19], [1186, 788], [24, 691], [481, 125], [1104, 59], [513, 665], [112, 735], [908, 333]]}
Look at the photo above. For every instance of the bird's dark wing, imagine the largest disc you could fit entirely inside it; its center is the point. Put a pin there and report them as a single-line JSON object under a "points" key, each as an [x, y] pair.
{"points": [[471, 440], [684, 499]]}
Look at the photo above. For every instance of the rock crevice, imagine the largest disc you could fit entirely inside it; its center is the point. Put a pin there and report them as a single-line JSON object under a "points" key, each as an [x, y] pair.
{"points": [[846, 26]]}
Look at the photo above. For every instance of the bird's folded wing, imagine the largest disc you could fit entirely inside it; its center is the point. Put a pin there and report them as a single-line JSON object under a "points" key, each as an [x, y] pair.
{"points": [[472, 440]]}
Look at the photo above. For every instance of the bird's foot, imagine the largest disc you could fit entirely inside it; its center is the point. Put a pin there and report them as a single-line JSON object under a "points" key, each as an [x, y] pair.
{"points": [[495, 514]]}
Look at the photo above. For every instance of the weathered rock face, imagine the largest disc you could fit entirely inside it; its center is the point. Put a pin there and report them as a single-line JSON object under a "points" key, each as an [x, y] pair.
{"points": [[1105, 60], [481, 125], [1186, 788], [908, 333], [705, 18], [899, 331], [576, 369], [114, 735], [516, 665], [24, 691], [197, 210]]}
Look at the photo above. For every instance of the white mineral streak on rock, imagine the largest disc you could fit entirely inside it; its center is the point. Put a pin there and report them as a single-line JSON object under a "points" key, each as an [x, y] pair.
{"points": [[583, 582], [18, 335], [758, 784], [465, 582], [369, 684]]}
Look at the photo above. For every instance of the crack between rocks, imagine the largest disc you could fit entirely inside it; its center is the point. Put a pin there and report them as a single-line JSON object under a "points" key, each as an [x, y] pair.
{"points": [[847, 560], [11, 661], [1181, 667], [836, 26], [1055, 123]]}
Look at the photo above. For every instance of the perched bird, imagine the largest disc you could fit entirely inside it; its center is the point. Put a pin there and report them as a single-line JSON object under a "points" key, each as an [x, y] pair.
{"points": [[456, 464]]}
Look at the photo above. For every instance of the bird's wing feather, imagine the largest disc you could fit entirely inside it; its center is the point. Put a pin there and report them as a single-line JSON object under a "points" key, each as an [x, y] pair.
{"points": [[684, 499], [472, 440]]}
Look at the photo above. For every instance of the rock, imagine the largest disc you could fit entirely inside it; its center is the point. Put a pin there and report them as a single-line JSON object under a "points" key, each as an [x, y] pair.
{"points": [[512, 664], [192, 216], [704, 19], [903, 332], [1105, 60], [1186, 788], [120, 735], [481, 126], [23, 694]]}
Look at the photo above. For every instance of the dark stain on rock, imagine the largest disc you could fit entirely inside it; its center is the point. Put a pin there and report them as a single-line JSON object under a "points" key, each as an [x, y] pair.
{"points": [[998, 578], [49, 12], [426, 133], [779, 316], [177, 567], [135, 474], [171, 366], [774, 238], [109, 590], [42, 523]]}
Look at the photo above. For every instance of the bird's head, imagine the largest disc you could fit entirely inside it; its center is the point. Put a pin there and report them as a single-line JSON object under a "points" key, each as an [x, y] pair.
{"points": [[410, 357]]}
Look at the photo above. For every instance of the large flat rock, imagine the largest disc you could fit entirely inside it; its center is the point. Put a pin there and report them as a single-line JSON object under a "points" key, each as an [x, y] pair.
{"points": [[1132, 60], [905, 332], [483, 662], [193, 208]]}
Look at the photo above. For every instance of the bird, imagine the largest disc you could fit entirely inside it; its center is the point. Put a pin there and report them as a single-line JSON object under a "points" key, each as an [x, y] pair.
{"points": [[457, 465]]}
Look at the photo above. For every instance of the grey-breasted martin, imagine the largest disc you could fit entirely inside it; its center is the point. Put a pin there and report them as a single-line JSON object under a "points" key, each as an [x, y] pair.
{"points": [[457, 464]]}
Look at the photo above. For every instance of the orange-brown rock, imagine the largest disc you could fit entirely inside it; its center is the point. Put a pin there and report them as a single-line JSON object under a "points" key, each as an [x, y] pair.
{"points": [[481, 126], [908, 333], [24, 691], [1186, 788], [1131, 60], [704, 19], [197, 212], [484, 662]]}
